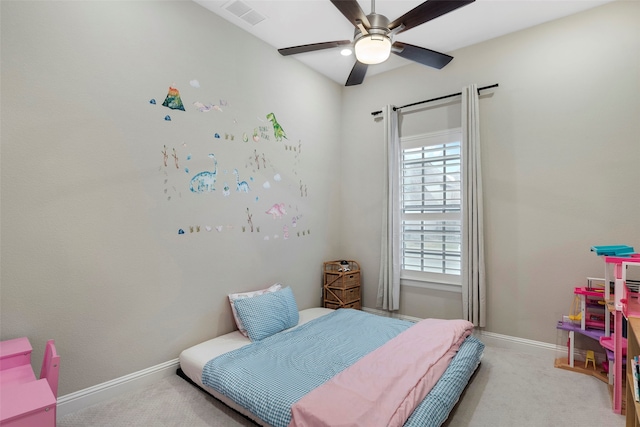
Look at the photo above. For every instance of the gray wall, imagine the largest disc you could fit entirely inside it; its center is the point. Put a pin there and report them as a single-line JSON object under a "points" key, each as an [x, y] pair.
{"points": [[560, 156], [91, 254]]}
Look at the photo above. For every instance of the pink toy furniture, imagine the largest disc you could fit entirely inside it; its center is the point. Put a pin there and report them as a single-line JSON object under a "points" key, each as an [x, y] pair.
{"points": [[619, 266], [27, 401]]}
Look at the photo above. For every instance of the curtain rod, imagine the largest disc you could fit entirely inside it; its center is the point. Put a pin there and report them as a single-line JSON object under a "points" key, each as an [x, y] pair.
{"points": [[375, 113]]}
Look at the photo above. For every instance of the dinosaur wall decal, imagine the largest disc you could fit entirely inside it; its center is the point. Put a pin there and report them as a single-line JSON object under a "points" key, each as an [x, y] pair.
{"points": [[204, 181], [278, 132], [240, 185]]}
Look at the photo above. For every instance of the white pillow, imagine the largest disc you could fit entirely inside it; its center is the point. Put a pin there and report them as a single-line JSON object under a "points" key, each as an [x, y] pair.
{"points": [[233, 297]]}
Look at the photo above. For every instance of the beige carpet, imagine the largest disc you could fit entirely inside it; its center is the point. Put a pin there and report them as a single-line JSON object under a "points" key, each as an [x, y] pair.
{"points": [[510, 389]]}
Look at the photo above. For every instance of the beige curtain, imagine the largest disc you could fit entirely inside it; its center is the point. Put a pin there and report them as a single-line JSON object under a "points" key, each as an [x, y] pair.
{"points": [[389, 281], [473, 268]]}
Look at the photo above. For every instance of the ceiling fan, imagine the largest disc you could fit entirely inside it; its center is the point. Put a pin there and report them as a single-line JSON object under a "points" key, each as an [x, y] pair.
{"points": [[373, 36]]}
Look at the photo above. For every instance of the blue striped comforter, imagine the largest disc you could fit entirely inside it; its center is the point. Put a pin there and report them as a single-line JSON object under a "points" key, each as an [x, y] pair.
{"points": [[269, 376]]}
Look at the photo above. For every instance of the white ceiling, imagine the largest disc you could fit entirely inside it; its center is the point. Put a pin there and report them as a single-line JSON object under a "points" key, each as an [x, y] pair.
{"points": [[296, 22]]}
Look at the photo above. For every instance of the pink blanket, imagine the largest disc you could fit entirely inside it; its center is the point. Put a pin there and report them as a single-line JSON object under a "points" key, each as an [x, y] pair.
{"points": [[385, 386]]}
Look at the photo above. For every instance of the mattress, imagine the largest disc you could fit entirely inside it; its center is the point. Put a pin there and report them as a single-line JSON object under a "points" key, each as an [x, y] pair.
{"points": [[432, 411], [193, 359]]}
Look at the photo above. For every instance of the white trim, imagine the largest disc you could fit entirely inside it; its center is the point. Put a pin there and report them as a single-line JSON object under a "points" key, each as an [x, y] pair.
{"points": [[426, 284], [519, 344], [493, 339], [98, 393], [444, 136]]}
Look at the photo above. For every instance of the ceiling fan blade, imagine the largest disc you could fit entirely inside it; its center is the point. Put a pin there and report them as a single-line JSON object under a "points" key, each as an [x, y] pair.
{"points": [[352, 11], [427, 11], [357, 74], [312, 47], [427, 57]]}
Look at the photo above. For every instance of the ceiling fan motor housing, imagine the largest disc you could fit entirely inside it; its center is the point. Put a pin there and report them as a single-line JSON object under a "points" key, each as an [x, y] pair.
{"points": [[379, 24]]}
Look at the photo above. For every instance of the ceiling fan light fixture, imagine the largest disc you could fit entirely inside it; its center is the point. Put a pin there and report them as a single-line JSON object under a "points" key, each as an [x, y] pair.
{"points": [[373, 48]]}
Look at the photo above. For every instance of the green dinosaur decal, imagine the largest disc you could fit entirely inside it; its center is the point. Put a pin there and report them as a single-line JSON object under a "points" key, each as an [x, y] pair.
{"points": [[278, 132]]}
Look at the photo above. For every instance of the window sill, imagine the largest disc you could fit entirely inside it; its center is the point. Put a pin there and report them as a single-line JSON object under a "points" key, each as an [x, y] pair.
{"points": [[447, 287]]}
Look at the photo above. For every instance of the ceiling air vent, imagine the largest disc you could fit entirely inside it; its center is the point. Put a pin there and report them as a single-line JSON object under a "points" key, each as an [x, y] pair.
{"points": [[244, 12]]}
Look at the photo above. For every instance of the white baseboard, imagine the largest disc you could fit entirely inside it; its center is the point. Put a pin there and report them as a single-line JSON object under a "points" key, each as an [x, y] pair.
{"points": [[490, 338], [102, 392], [519, 344]]}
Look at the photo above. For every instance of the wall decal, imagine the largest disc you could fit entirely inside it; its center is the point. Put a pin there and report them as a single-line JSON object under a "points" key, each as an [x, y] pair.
{"points": [[240, 185], [278, 132], [175, 158], [264, 170], [264, 132], [249, 220], [294, 148], [165, 157], [173, 100], [202, 107], [277, 211], [204, 181]]}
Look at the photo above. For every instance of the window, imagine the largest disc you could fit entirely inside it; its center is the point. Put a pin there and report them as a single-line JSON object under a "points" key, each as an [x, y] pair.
{"points": [[431, 220]]}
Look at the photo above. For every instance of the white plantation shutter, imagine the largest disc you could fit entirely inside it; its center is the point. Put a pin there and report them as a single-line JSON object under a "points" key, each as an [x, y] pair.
{"points": [[431, 207]]}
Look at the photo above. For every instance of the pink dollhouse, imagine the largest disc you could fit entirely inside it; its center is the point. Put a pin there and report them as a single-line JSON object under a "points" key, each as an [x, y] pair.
{"points": [[605, 326]]}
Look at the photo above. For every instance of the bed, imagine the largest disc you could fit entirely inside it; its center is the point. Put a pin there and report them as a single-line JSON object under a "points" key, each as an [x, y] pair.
{"points": [[328, 367]]}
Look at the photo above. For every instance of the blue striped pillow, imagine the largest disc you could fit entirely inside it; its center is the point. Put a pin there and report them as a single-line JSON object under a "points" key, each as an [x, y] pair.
{"points": [[267, 314]]}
